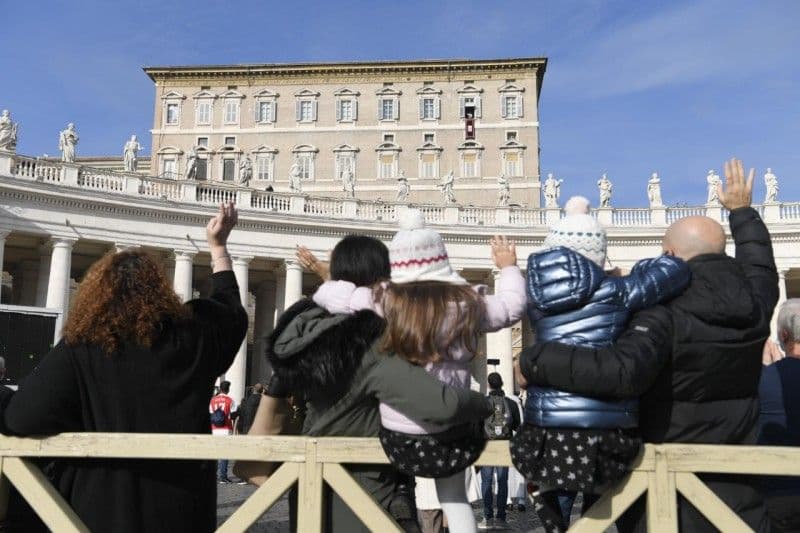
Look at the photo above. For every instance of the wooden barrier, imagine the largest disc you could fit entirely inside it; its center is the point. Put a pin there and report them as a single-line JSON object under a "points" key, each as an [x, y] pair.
{"points": [[661, 471]]}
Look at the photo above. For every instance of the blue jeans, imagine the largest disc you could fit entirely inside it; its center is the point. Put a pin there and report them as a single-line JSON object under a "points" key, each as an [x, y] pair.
{"points": [[487, 473], [222, 469]]}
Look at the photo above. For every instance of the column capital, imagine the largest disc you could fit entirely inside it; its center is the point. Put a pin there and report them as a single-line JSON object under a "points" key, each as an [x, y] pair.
{"points": [[782, 272], [4, 233], [184, 254], [124, 246], [241, 260], [292, 264], [62, 242]]}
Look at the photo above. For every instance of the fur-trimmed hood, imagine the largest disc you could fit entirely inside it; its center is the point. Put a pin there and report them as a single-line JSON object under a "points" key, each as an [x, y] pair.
{"points": [[317, 353]]}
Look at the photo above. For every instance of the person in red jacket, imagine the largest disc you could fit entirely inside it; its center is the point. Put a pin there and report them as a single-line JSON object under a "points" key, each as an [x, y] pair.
{"points": [[222, 409]]}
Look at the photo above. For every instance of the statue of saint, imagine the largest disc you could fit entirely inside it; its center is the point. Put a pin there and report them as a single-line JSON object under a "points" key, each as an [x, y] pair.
{"points": [[8, 132], [712, 178], [245, 171], [349, 183], [771, 181], [606, 187], [504, 194], [402, 187], [552, 191], [447, 188], [191, 164], [130, 153], [67, 140], [295, 183], [654, 191]]}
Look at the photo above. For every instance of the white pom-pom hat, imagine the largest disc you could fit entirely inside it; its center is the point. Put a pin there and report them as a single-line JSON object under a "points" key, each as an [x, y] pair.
{"points": [[418, 254], [579, 231]]}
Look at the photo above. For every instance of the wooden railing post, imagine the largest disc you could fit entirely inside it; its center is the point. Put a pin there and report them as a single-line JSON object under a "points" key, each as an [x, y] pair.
{"points": [[4, 489], [662, 500], [309, 497]]}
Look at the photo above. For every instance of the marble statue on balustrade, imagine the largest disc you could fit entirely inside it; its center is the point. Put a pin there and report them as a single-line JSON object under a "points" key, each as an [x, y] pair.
{"points": [[8, 132], [447, 188], [67, 140], [295, 181], [349, 183], [403, 188], [191, 164], [606, 188], [130, 154], [771, 181], [245, 171], [713, 180], [504, 194], [552, 191], [654, 191]]}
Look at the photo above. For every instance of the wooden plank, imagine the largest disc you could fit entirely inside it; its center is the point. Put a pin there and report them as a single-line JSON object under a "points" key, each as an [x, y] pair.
{"points": [[731, 459], [363, 505], [708, 503], [309, 497], [611, 504], [262, 499], [4, 492], [662, 504], [42, 497]]}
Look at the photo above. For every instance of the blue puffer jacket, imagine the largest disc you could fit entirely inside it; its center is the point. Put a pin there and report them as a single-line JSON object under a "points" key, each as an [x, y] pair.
{"points": [[572, 301]]}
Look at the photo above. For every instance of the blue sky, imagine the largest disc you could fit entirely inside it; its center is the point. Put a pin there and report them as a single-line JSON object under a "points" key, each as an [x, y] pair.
{"points": [[631, 87]]}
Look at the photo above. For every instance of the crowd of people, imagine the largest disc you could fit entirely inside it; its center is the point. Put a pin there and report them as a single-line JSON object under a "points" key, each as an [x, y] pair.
{"points": [[670, 352]]}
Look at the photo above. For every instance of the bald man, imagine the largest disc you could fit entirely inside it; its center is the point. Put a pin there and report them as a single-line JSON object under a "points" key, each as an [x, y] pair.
{"points": [[694, 362]]}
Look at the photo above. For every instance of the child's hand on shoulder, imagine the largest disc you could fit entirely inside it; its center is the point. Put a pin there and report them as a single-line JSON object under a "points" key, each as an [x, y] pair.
{"points": [[504, 252]]}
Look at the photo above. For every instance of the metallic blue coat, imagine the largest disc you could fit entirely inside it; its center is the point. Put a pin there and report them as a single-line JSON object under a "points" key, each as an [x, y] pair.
{"points": [[572, 301]]}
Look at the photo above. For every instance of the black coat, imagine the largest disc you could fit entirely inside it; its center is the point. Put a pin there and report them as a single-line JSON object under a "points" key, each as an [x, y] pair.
{"points": [[164, 389], [695, 362]]}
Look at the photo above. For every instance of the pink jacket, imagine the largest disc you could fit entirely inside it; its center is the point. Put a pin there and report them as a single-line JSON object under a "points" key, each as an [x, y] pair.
{"points": [[503, 309]]}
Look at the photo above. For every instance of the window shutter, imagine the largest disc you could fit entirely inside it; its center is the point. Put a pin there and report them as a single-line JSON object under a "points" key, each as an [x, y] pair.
{"points": [[520, 106], [396, 109], [477, 106], [422, 108], [380, 108], [503, 106], [297, 111], [314, 111], [355, 109], [461, 103], [437, 108], [257, 112], [338, 110]]}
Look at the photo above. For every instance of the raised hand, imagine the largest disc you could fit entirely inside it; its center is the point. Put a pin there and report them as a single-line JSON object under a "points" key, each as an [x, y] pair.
{"points": [[737, 192], [219, 227], [504, 252], [310, 262]]}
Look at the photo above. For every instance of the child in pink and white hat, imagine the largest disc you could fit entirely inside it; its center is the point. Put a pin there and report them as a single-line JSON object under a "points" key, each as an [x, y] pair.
{"points": [[434, 318]]}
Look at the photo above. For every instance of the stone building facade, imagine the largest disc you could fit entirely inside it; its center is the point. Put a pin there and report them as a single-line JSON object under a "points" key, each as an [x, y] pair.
{"points": [[424, 119]]}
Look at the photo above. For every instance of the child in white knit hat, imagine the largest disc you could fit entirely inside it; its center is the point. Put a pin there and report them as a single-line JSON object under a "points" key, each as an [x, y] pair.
{"points": [[434, 318], [571, 443]]}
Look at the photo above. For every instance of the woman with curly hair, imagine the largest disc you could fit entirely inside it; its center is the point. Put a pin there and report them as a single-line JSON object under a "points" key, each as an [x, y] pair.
{"points": [[135, 359]]}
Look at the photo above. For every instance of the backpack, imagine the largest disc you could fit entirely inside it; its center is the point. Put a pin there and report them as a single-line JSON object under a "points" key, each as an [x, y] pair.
{"points": [[218, 417], [498, 425]]}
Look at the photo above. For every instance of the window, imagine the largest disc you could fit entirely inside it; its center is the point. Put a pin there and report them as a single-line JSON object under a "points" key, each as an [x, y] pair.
{"points": [[306, 162], [386, 165], [428, 166], [510, 107], [232, 111], [230, 141], [428, 109], [470, 165], [265, 112], [511, 104], [168, 169], [264, 167], [345, 111], [387, 109], [202, 169], [173, 113], [202, 141], [203, 113], [512, 166], [228, 169], [469, 101], [511, 136], [306, 111], [388, 137], [428, 138], [345, 161]]}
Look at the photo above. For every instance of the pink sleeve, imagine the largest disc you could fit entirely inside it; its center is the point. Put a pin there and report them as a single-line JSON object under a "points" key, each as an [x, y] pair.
{"points": [[507, 305], [343, 297]]}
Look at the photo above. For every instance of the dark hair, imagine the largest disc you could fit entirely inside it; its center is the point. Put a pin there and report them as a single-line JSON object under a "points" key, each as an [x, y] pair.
{"points": [[495, 381], [360, 260], [225, 386]]}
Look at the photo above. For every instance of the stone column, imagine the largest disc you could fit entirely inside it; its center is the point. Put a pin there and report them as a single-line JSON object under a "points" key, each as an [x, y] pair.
{"points": [[237, 373], [498, 346], [294, 282], [280, 293], [59, 280], [781, 298], [262, 326], [182, 281], [124, 247], [3, 235], [44, 274]]}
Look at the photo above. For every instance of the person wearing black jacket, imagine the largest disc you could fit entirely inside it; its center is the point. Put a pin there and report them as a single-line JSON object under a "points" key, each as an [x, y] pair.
{"points": [[694, 362], [135, 359]]}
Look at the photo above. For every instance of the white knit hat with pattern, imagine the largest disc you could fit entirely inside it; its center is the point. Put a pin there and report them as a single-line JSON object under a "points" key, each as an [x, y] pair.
{"points": [[579, 231], [418, 254]]}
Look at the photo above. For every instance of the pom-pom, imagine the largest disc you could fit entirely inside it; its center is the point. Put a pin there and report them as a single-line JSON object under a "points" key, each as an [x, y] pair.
{"points": [[412, 219], [577, 205]]}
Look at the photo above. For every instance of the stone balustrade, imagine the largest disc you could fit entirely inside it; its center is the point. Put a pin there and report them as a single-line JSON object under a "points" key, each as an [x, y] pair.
{"points": [[213, 193]]}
